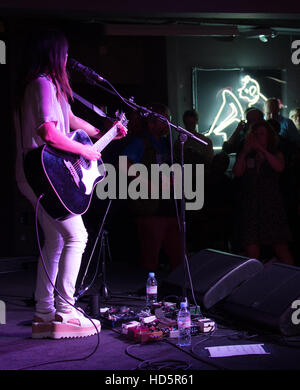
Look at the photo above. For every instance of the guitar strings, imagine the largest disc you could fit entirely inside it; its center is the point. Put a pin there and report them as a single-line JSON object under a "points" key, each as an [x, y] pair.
{"points": [[78, 163]]}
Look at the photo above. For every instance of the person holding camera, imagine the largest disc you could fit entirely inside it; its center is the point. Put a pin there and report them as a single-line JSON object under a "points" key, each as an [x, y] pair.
{"points": [[235, 143], [262, 219]]}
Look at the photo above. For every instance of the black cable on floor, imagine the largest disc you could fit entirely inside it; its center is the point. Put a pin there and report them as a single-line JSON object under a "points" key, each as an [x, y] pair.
{"points": [[128, 352], [157, 364], [197, 357]]}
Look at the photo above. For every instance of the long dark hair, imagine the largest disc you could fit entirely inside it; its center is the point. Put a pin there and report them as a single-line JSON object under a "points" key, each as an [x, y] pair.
{"points": [[45, 53]]}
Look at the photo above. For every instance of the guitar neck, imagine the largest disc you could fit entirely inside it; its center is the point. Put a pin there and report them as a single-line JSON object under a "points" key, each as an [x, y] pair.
{"points": [[106, 139]]}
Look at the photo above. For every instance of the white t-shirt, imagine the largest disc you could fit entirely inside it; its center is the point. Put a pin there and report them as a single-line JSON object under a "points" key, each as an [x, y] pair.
{"points": [[40, 105]]}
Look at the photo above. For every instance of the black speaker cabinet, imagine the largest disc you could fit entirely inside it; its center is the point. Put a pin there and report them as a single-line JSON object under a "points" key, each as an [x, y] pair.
{"points": [[267, 299], [214, 275]]}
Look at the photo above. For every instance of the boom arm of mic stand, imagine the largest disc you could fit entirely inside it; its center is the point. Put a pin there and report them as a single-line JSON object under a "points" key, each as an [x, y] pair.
{"points": [[137, 107], [181, 130]]}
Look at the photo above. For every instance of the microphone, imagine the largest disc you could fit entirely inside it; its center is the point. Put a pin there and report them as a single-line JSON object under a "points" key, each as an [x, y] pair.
{"points": [[89, 73]]}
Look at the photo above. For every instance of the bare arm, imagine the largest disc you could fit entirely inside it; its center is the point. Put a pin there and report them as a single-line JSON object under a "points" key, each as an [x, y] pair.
{"points": [[51, 136], [79, 123], [42, 93], [92, 131]]}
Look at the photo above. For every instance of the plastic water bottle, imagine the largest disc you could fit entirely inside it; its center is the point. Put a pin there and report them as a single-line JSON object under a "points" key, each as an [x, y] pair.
{"points": [[184, 325], [151, 289]]}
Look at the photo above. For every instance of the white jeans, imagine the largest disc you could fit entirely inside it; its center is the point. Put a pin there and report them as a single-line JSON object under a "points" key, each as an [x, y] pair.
{"points": [[64, 244]]}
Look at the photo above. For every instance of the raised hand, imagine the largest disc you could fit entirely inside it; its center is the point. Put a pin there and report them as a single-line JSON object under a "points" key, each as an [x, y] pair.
{"points": [[241, 126]]}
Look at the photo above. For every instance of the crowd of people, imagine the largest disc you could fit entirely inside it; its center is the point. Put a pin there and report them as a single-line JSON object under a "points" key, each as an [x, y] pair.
{"points": [[251, 188], [253, 208]]}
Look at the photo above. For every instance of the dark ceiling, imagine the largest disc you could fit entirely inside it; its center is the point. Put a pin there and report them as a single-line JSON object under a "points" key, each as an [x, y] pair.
{"points": [[171, 17]]}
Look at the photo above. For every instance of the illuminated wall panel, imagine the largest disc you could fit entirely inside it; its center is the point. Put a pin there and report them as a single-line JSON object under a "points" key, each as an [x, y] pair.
{"points": [[222, 95]]}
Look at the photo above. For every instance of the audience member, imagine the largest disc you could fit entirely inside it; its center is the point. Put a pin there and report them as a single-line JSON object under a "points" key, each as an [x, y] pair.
{"points": [[194, 152], [156, 219], [236, 140], [285, 146], [294, 115], [288, 177], [262, 220], [288, 129]]}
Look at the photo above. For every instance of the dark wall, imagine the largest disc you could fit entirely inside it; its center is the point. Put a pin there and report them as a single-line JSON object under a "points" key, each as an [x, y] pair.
{"points": [[6, 208], [136, 66]]}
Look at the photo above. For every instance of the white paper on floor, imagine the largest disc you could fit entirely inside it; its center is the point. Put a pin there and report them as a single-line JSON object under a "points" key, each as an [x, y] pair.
{"points": [[237, 350]]}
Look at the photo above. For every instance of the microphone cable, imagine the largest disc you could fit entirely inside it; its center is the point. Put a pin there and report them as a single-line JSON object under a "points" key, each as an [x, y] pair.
{"points": [[81, 290]]}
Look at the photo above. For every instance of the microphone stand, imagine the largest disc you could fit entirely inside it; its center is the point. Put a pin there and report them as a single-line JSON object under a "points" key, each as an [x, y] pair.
{"points": [[183, 138], [183, 135]]}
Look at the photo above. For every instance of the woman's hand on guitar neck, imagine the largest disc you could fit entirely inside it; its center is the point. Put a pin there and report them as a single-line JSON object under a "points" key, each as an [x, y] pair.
{"points": [[90, 153], [122, 130]]}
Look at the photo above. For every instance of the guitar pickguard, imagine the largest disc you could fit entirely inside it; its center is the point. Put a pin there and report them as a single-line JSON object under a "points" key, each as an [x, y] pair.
{"points": [[89, 176]]}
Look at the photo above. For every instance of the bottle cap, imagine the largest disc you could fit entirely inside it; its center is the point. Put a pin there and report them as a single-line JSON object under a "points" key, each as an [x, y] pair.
{"points": [[151, 274], [183, 304]]}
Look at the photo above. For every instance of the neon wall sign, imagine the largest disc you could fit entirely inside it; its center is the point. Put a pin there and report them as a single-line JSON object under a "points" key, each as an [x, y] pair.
{"points": [[249, 93]]}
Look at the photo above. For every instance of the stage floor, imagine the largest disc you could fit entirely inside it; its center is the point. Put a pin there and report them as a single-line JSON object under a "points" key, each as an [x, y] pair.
{"points": [[18, 351]]}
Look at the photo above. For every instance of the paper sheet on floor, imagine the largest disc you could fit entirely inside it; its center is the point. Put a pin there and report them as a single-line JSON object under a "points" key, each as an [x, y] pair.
{"points": [[237, 350]]}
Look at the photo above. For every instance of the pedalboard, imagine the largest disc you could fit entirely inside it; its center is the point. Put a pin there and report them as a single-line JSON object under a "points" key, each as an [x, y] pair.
{"points": [[113, 317], [145, 326]]}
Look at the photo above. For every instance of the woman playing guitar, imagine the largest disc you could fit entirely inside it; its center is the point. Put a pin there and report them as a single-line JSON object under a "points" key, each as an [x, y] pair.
{"points": [[43, 116]]}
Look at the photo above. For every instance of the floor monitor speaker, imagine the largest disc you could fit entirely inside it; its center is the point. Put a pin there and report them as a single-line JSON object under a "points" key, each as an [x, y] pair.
{"points": [[214, 275]]}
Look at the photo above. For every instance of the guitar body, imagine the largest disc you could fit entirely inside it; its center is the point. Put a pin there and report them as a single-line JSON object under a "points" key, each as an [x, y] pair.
{"points": [[66, 180]]}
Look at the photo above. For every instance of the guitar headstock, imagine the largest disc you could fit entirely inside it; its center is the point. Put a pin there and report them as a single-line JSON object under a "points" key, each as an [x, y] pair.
{"points": [[120, 116]]}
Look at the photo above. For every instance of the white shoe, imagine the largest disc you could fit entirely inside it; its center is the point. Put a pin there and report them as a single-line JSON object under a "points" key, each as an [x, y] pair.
{"points": [[73, 324]]}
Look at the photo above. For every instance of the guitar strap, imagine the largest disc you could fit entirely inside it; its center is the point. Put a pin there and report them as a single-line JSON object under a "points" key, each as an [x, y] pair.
{"points": [[89, 105]]}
